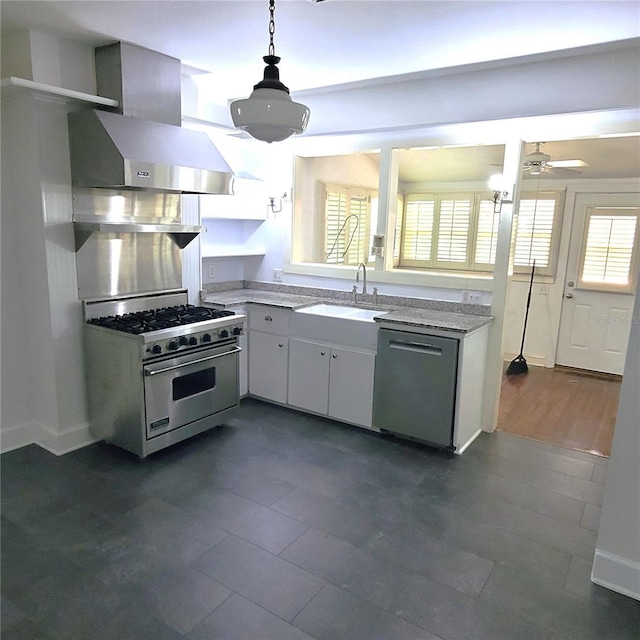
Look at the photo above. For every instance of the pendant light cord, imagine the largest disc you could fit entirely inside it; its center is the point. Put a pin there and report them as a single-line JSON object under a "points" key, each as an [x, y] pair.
{"points": [[272, 26]]}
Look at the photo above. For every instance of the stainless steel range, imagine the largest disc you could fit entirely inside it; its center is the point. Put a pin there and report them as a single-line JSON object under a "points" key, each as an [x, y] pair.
{"points": [[158, 369]]}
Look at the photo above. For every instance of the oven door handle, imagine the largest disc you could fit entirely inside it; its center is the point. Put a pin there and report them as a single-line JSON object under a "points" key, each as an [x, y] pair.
{"points": [[153, 372]]}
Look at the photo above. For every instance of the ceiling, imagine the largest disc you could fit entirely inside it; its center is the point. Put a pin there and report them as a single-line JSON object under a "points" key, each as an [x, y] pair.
{"points": [[341, 41], [333, 41]]}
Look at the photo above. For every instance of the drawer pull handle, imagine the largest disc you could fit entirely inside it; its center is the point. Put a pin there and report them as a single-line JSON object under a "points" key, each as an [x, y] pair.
{"points": [[268, 319], [281, 345], [322, 353], [334, 356]]}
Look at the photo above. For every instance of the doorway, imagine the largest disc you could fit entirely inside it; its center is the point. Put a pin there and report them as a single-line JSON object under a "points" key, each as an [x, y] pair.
{"points": [[600, 283], [581, 314]]}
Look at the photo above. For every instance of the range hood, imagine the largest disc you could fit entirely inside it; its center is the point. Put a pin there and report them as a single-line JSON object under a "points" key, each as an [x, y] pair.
{"points": [[111, 150], [143, 146]]}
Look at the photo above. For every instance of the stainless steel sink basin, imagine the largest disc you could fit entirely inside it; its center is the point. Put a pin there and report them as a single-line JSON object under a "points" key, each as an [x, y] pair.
{"points": [[337, 324]]}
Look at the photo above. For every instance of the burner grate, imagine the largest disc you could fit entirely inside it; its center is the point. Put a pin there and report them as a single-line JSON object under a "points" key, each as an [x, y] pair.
{"points": [[155, 319]]}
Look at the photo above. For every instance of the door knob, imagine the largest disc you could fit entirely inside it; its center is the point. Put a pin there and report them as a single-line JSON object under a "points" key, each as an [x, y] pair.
{"points": [[568, 295]]}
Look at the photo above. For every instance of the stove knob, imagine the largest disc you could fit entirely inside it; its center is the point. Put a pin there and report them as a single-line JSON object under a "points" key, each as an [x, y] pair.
{"points": [[193, 340], [173, 345], [237, 331], [182, 341], [224, 333], [206, 337], [156, 349]]}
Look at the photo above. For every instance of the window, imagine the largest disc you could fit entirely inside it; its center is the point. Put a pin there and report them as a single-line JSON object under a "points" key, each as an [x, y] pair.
{"points": [[459, 231], [535, 233], [609, 249], [486, 236], [347, 225]]}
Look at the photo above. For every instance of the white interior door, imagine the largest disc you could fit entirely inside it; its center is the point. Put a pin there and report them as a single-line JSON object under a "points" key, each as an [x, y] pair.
{"points": [[602, 277]]}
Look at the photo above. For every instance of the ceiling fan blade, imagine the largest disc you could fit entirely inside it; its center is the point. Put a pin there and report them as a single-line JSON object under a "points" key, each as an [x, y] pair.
{"points": [[567, 163], [562, 171]]}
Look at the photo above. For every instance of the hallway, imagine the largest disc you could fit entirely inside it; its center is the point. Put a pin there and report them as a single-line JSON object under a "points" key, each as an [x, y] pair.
{"points": [[564, 407]]}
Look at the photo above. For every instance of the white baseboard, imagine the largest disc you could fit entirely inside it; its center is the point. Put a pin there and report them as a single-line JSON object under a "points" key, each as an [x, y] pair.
{"points": [[536, 361], [44, 436], [616, 573], [16, 436]]}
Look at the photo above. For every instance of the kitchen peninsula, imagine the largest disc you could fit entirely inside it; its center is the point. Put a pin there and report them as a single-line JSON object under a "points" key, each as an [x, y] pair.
{"points": [[328, 364]]}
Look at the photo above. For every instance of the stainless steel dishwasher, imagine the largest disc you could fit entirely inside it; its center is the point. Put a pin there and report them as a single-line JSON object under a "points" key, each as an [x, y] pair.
{"points": [[415, 386]]}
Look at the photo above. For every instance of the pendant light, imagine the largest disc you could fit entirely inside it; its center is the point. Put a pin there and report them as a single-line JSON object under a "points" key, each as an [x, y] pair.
{"points": [[269, 114]]}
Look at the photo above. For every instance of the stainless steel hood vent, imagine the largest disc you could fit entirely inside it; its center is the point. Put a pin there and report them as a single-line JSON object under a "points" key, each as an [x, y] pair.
{"points": [[111, 150], [142, 146]]}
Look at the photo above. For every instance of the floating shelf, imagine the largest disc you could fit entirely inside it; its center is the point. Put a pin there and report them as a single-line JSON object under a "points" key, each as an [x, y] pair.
{"points": [[232, 252], [251, 217], [13, 83]]}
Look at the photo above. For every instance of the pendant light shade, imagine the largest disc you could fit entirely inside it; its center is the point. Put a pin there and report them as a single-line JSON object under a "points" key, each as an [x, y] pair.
{"points": [[269, 114]]}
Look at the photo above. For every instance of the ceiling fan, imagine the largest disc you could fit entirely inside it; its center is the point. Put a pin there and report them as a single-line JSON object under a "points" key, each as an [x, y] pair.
{"points": [[539, 162]]}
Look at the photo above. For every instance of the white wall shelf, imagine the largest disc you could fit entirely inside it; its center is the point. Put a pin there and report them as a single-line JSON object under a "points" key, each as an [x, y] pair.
{"points": [[231, 252], [16, 84], [248, 217]]}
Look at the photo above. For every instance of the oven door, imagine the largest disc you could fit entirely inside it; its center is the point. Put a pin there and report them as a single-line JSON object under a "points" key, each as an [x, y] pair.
{"points": [[184, 389]]}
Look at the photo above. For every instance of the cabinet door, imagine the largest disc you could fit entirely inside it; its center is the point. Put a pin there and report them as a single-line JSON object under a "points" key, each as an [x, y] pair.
{"points": [[351, 386], [309, 375], [268, 358]]}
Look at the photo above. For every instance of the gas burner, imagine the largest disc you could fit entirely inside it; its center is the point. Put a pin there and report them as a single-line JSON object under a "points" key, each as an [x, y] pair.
{"points": [[155, 319]]}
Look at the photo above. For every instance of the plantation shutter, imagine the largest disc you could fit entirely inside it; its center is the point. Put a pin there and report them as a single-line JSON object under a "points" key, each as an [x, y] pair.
{"points": [[347, 213], [336, 215], [397, 239], [534, 233], [358, 229], [487, 234], [453, 231], [417, 236], [609, 249]]}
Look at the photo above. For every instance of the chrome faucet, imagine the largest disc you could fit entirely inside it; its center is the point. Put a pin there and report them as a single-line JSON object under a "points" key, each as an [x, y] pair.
{"points": [[364, 277]]}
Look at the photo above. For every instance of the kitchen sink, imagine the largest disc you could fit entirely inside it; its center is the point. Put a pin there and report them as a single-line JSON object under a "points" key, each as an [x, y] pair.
{"points": [[338, 311], [337, 324]]}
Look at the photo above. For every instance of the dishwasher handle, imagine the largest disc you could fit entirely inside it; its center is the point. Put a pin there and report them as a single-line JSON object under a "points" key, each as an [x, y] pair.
{"points": [[416, 347]]}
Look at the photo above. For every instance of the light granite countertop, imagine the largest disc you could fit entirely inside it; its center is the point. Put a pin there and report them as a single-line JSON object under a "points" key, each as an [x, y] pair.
{"points": [[400, 315]]}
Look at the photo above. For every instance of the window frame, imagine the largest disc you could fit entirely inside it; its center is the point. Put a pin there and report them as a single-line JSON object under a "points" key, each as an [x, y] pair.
{"points": [[349, 191], [605, 287], [479, 199]]}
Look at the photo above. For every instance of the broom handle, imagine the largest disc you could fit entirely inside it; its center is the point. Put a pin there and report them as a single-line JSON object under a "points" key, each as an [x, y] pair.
{"points": [[526, 315]]}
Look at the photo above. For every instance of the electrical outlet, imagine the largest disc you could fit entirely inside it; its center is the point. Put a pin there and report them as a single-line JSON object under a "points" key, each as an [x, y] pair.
{"points": [[277, 275], [471, 297], [211, 271]]}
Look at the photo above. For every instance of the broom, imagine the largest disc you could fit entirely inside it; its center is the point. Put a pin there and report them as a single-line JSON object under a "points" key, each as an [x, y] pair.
{"points": [[519, 364]]}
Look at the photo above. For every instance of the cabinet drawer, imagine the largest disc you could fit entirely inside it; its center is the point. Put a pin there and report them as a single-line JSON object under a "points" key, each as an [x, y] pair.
{"points": [[269, 319]]}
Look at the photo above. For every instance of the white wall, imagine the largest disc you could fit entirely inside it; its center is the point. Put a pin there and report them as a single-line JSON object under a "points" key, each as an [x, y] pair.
{"points": [[617, 557], [45, 401]]}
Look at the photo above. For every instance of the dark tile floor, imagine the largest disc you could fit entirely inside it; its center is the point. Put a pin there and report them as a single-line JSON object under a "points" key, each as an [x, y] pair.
{"points": [[282, 525]]}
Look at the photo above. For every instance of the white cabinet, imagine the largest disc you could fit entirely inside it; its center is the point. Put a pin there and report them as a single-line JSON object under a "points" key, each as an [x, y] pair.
{"points": [[331, 380], [268, 352], [351, 386], [309, 375]]}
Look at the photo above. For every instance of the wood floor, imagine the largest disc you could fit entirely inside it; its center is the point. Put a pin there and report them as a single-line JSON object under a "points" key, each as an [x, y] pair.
{"points": [[562, 407]]}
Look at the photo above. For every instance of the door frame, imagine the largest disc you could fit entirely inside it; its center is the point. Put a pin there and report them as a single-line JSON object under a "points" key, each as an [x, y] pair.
{"points": [[574, 193]]}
